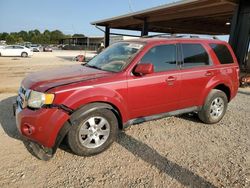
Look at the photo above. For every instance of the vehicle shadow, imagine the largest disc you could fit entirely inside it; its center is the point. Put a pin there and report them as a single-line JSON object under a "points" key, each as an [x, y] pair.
{"points": [[152, 157], [7, 118], [244, 92], [8, 122], [190, 117]]}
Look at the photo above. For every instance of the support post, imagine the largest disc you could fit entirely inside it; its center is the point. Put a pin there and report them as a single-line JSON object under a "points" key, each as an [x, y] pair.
{"points": [[107, 36], [88, 48], [240, 31], [144, 31]]}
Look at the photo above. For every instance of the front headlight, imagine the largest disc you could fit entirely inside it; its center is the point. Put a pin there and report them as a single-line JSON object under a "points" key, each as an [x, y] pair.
{"points": [[38, 99]]}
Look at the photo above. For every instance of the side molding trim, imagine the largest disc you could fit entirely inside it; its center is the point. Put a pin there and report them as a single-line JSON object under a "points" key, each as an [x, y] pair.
{"points": [[159, 116]]}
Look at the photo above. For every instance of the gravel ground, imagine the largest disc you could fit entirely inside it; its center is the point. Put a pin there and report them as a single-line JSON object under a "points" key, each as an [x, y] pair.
{"points": [[172, 152]]}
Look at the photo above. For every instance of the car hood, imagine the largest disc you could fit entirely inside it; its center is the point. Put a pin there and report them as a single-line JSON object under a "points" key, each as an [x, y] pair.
{"points": [[44, 80]]}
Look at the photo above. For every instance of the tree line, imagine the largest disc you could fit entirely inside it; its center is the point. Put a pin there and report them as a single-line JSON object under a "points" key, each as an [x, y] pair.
{"points": [[34, 36]]}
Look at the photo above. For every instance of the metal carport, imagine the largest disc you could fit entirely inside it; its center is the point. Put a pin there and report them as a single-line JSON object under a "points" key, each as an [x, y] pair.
{"points": [[213, 17]]}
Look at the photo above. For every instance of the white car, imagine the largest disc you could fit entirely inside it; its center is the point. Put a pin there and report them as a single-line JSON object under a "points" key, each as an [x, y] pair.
{"points": [[15, 50], [35, 47]]}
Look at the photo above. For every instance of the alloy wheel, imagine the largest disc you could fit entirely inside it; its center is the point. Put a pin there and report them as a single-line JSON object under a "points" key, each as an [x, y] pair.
{"points": [[94, 132], [217, 108]]}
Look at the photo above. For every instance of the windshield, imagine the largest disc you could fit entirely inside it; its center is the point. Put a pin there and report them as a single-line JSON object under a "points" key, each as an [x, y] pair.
{"points": [[116, 57]]}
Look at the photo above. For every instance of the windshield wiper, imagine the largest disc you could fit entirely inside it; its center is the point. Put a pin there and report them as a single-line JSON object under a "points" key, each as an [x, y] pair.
{"points": [[93, 66]]}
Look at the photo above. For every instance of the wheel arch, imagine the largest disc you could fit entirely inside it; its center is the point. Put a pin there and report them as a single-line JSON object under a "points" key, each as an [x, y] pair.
{"points": [[87, 108], [95, 98], [24, 52], [224, 88], [222, 85]]}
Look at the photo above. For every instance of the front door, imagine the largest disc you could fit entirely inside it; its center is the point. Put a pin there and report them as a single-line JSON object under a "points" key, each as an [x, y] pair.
{"points": [[8, 51], [157, 92]]}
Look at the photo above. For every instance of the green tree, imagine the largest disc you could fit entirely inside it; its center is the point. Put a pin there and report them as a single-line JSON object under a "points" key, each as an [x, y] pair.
{"points": [[34, 36], [31, 34], [78, 35], [46, 37], [55, 36], [37, 32], [4, 35], [10, 39], [24, 35]]}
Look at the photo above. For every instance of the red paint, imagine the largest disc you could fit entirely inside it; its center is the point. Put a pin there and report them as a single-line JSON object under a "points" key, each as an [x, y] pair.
{"points": [[134, 96], [45, 124]]}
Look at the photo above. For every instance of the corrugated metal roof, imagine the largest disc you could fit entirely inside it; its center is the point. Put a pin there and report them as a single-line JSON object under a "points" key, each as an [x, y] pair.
{"points": [[188, 16]]}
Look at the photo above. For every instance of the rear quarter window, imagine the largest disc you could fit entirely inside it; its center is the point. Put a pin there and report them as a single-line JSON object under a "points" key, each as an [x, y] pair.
{"points": [[222, 52]]}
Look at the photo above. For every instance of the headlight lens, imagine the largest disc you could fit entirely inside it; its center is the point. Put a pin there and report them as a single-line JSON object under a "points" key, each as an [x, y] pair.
{"points": [[38, 99]]}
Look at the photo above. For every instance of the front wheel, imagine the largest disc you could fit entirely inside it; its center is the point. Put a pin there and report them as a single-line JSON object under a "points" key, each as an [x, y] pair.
{"points": [[93, 132], [214, 108]]}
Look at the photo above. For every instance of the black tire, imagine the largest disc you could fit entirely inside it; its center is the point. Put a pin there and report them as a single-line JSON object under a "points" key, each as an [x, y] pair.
{"points": [[206, 114], [73, 135], [24, 54]]}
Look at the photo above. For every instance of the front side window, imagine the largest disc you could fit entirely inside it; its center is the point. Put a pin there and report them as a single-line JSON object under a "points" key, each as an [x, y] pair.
{"points": [[116, 57], [163, 57], [194, 55]]}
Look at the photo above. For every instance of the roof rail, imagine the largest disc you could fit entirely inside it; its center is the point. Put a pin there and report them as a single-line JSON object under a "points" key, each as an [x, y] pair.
{"points": [[177, 36]]}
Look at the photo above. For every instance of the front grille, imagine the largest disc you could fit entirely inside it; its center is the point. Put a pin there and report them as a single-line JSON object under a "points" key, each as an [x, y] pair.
{"points": [[22, 98]]}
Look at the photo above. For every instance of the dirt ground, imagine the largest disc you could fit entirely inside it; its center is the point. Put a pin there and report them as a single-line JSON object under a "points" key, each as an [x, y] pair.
{"points": [[172, 152], [14, 69]]}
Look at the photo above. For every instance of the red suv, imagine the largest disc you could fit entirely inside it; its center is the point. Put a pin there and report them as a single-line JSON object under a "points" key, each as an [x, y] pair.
{"points": [[128, 83]]}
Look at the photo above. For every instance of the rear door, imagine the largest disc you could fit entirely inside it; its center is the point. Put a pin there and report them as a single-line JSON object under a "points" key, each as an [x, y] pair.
{"points": [[227, 63], [196, 71], [157, 92]]}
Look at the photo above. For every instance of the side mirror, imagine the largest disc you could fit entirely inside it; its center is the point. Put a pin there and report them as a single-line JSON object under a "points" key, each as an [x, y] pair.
{"points": [[142, 69]]}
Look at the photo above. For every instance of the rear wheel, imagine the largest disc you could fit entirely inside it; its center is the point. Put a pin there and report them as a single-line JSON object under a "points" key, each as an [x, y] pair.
{"points": [[214, 108], [24, 54], [93, 132]]}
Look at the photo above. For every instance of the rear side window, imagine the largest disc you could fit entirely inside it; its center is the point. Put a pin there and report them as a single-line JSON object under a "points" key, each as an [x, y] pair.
{"points": [[9, 47], [222, 53], [163, 57], [194, 55]]}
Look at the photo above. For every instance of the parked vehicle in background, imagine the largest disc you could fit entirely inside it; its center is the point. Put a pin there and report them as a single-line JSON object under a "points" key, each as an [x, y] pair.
{"points": [[80, 58], [35, 47], [47, 49], [128, 83], [15, 50], [86, 57]]}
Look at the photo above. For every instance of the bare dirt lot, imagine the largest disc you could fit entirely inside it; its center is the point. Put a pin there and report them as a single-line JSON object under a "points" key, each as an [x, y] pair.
{"points": [[172, 152]]}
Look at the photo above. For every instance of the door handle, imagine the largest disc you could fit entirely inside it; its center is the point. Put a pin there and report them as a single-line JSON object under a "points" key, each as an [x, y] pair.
{"points": [[208, 73], [171, 79]]}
